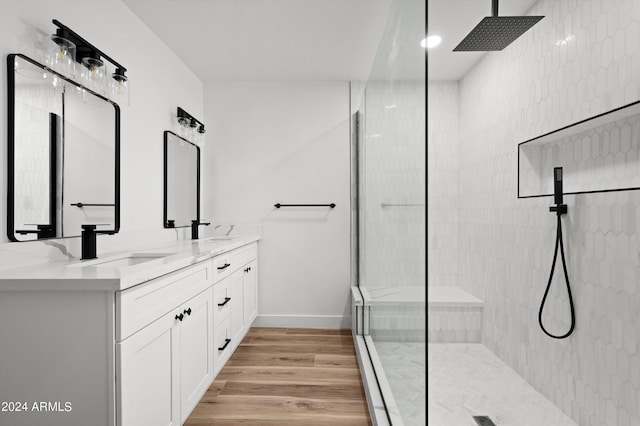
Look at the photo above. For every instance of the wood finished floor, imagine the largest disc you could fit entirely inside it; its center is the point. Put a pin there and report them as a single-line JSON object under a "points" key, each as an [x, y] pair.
{"points": [[287, 376]]}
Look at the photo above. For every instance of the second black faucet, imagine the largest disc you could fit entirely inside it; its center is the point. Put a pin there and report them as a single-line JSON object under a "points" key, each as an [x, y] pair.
{"points": [[195, 224]]}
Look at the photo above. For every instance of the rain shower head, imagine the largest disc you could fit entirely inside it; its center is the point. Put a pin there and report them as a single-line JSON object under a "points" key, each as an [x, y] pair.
{"points": [[496, 32]]}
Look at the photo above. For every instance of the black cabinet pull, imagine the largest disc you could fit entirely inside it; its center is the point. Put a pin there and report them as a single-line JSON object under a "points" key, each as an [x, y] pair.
{"points": [[226, 265], [226, 300], [226, 343], [187, 311], [246, 269], [249, 268], [180, 317]]}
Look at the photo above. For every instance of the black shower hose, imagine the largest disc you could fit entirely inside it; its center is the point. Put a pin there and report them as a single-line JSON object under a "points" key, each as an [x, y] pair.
{"points": [[566, 277]]}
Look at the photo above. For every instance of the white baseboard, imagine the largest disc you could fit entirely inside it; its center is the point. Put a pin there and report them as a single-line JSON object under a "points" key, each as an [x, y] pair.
{"points": [[303, 321]]}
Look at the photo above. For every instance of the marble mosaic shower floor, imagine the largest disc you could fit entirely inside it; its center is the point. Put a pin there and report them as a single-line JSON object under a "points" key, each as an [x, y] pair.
{"points": [[466, 379], [404, 367]]}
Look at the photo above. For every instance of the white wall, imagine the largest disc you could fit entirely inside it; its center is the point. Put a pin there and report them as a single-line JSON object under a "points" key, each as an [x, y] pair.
{"points": [[159, 83], [270, 142]]}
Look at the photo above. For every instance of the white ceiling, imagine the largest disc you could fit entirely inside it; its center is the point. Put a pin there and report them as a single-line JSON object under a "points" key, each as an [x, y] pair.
{"points": [[453, 20], [269, 39]]}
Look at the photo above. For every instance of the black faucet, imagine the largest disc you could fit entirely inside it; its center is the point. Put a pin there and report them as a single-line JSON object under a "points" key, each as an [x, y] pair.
{"points": [[89, 245], [194, 228]]}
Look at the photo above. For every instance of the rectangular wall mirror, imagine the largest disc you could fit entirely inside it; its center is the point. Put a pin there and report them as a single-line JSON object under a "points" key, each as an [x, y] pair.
{"points": [[181, 181], [63, 155]]}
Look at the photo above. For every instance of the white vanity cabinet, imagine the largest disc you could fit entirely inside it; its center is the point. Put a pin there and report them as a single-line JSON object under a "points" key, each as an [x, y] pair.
{"points": [[134, 346], [166, 362], [235, 301]]}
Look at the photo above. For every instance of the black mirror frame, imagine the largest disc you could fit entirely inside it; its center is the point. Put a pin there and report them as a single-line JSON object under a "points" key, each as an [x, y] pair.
{"points": [[11, 146], [165, 219]]}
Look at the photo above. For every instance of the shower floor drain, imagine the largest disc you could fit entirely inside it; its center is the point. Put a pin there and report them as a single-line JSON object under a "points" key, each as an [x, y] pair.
{"points": [[484, 421]]}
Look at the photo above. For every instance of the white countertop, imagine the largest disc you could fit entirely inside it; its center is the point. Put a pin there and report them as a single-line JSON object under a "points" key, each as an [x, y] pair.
{"points": [[94, 275]]}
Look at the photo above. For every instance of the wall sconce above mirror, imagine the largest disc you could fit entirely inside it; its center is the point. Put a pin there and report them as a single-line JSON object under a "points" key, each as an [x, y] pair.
{"points": [[63, 155], [74, 57], [181, 181], [189, 128]]}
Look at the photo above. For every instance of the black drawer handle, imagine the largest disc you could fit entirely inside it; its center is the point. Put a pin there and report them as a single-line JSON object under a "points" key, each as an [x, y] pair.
{"points": [[226, 265], [179, 317], [226, 343], [226, 300], [187, 311]]}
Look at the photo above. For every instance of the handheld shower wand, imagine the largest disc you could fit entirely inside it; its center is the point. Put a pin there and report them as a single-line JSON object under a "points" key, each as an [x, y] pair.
{"points": [[559, 209]]}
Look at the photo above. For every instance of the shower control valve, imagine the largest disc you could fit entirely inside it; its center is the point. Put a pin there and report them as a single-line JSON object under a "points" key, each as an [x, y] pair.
{"points": [[559, 209]]}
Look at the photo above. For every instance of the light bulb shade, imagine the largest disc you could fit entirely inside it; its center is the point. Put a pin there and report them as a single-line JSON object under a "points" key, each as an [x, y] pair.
{"points": [[61, 56], [119, 88], [200, 136], [93, 74], [183, 127]]}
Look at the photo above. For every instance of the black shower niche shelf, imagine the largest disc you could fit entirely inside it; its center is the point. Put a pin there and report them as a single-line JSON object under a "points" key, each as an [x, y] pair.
{"points": [[599, 154]]}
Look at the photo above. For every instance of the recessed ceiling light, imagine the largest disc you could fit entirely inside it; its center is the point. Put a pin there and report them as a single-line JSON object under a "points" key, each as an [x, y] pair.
{"points": [[431, 41]]}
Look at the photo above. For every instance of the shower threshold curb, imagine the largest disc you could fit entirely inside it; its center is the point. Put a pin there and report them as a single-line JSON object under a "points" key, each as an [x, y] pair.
{"points": [[382, 406]]}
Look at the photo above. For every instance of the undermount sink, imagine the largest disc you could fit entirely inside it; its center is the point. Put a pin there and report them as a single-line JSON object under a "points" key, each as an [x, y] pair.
{"points": [[130, 259], [218, 239]]}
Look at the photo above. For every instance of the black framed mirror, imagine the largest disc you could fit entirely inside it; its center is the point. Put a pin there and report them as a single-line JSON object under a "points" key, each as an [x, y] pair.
{"points": [[63, 155], [181, 181]]}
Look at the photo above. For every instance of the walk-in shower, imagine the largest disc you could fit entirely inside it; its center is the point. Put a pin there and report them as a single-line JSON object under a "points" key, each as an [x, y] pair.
{"points": [[389, 217]]}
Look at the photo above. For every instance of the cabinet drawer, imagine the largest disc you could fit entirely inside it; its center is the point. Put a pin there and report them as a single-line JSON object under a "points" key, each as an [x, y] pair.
{"points": [[242, 256], [221, 302], [222, 345], [140, 305], [221, 267]]}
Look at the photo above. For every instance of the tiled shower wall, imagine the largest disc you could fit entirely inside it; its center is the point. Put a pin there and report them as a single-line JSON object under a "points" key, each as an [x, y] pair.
{"points": [[534, 86], [442, 183], [393, 176]]}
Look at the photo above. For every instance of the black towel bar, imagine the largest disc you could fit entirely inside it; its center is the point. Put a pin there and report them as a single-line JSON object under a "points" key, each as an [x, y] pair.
{"points": [[278, 205], [81, 205]]}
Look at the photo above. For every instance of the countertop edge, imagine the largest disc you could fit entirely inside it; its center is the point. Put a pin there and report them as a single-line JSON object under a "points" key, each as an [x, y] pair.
{"points": [[64, 278]]}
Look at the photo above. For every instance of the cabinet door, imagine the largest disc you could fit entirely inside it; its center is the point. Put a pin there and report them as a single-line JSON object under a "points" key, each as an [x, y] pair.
{"points": [[237, 305], [196, 356], [250, 290], [148, 388]]}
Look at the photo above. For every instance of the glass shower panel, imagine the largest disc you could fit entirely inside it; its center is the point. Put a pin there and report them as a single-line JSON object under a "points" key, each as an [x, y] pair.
{"points": [[392, 215]]}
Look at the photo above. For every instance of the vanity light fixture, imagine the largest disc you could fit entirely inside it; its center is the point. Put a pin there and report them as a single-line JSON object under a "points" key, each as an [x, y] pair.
{"points": [[190, 127], [61, 56], [93, 73], [70, 48]]}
